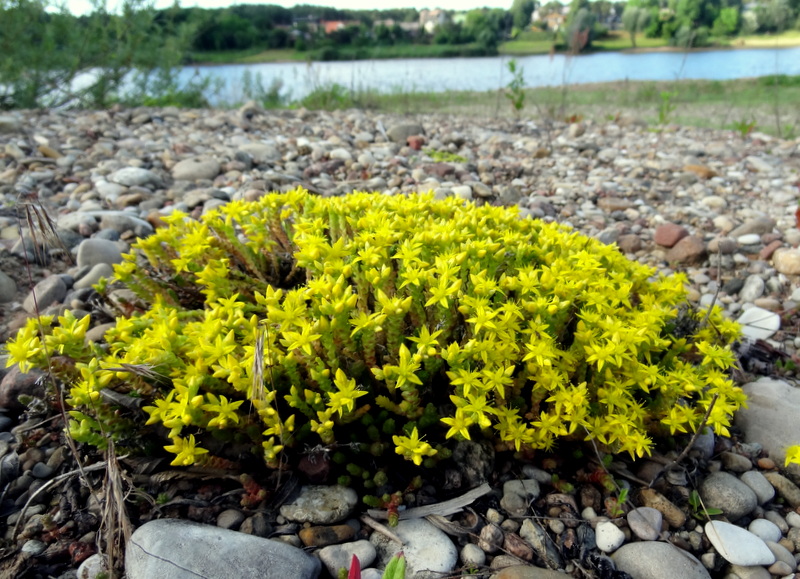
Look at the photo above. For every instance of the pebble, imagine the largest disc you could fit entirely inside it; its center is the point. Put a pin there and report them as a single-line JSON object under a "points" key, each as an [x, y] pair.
{"points": [[738, 546], [787, 261], [752, 289], [765, 530], [758, 323], [785, 488], [230, 519], [609, 537], [472, 555], [724, 491], [320, 505], [134, 177], [765, 492], [668, 234], [645, 523], [46, 292], [94, 251], [336, 557], [321, 536], [425, 547], [8, 288], [656, 560]]}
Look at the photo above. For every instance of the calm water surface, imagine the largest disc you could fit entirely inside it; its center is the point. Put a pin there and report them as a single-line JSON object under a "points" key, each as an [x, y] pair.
{"points": [[490, 73]]}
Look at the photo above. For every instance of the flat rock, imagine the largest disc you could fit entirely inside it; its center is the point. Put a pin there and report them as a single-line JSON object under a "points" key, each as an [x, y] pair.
{"points": [[261, 153], [673, 515], [689, 250], [645, 523], [656, 560], [426, 548], [50, 290], [8, 288], [752, 289], [724, 491], [785, 488], [196, 168], [10, 124], [336, 557], [759, 225], [94, 251], [179, 549], [738, 546], [787, 260], [668, 234], [321, 505], [770, 417], [765, 492], [134, 177], [94, 275], [765, 530], [400, 132], [758, 323]]}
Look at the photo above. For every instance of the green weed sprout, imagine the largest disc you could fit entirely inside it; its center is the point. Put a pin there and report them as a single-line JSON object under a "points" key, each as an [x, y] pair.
{"points": [[515, 92]]}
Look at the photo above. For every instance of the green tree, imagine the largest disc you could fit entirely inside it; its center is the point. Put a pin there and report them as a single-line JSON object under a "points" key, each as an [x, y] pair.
{"points": [[45, 50], [521, 11], [635, 19], [727, 23], [774, 16]]}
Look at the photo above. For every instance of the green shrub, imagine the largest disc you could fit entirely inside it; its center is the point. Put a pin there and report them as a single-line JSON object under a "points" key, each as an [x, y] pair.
{"points": [[300, 320]]}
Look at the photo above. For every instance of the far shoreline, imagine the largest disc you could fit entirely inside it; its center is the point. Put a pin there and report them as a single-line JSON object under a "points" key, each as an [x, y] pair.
{"points": [[638, 50]]}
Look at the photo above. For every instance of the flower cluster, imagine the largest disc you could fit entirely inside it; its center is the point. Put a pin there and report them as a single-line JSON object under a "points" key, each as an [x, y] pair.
{"points": [[299, 319]]}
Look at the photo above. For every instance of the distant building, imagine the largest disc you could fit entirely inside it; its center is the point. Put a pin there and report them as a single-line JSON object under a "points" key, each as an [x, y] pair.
{"points": [[330, 26], [429, 20]]}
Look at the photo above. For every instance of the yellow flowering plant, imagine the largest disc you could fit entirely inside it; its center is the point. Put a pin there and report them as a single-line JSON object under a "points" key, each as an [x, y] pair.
{"points": [[300, 320]]}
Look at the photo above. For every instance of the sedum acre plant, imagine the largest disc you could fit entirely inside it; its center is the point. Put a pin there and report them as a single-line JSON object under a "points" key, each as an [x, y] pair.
{"points": [[404, 321]]}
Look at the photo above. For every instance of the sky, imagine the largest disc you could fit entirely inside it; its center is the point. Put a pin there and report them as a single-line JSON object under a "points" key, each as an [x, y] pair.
{"points": [[82, 6]]}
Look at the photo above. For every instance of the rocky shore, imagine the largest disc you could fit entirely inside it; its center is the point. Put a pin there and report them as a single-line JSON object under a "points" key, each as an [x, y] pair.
{"points": [[713, 204]]}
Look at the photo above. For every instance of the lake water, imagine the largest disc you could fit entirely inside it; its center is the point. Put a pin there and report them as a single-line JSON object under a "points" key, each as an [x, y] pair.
{"points": [[490, 73]]}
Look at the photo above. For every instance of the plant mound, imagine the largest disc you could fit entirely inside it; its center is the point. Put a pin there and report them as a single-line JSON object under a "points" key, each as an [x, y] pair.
{"points": [[371, 321]]}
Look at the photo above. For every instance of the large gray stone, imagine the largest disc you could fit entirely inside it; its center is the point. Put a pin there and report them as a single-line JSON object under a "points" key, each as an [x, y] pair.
{"points": [[94, 251], [655, 560], [261, 153], [48, 291], [8, 288], [399, 133], [179, 549], [134, 176], [94, 275], [121, 222], [721, 490], [196, 168], [772, 409]]}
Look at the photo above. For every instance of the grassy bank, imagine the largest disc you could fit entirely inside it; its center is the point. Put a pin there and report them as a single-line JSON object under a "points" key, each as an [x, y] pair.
{"points": [[771, 107], [526, 44], [530, 43], [344, 52]]}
